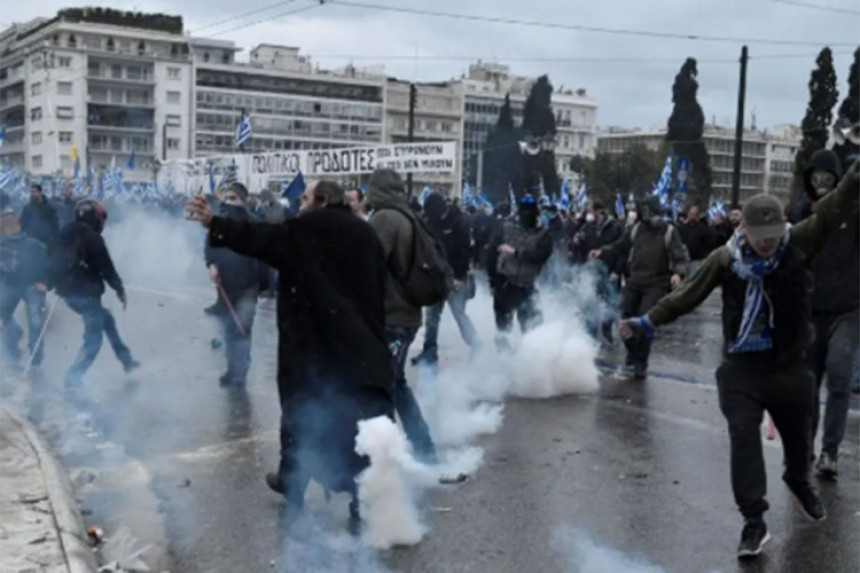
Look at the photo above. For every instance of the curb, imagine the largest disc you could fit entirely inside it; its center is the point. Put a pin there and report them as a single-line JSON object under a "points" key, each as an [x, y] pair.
{"points": [[67, 519]]}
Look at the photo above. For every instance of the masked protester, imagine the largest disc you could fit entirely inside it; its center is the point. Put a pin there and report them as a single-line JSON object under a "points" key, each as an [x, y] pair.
{"points": [[517, 256], [835, 303], [39, 219], [767, 327], [23, 274], [452, 229], [656, 259], [334, 367], [79, 265], [238, 279]]}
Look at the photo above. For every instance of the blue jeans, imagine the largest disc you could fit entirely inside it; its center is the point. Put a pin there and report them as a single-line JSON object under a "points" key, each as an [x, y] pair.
{"points": [[34, 301], [98, 321], [834, 354], [433, 316], [237, 344], [417, 432]]}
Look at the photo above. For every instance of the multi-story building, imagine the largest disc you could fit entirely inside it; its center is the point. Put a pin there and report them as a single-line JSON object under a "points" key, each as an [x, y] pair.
{"points": [[438, 117], [105, 83], [762, 161], [485, 88], [783, 143], [291, 105]]}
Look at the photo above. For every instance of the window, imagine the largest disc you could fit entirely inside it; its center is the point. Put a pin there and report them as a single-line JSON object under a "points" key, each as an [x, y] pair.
{"points": [[36, 88], [174, 97], [36, 113], [173, 120], [134, 73], [64, 88], [116, 71], [64, 112], [37, 137], [37, 161], [64, 62], [73, 43], [65, 137], [172, 143], [174, 73]]}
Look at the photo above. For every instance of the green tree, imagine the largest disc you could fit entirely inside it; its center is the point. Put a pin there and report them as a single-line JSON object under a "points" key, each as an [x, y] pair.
{"points": [[685, 128], [823, 95], [539, 123], [502, 166], [850, 108], [635, 170]]}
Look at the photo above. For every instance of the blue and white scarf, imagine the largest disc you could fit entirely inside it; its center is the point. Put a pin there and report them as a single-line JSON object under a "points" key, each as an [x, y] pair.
{"points": [[750, 267]]}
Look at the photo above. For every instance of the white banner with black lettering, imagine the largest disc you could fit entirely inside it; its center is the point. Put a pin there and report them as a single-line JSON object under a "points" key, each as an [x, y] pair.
{"points": [[256, 170]]}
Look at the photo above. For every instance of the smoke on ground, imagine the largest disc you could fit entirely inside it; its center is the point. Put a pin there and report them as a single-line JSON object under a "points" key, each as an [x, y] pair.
{"points": [[583, 555]]}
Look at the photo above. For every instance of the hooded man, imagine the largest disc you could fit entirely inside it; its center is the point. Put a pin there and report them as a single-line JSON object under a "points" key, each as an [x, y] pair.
{"points": [[767, 327], [451, 228], [517, 255], [394, 221], [656, 260], [835, 304], [23, 276], [39, 219], [79, 265], [238, 279], [334, 368]]}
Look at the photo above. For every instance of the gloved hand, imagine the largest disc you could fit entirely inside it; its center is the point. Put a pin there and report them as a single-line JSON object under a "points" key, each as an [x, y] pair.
{"points": [[638, 326]]}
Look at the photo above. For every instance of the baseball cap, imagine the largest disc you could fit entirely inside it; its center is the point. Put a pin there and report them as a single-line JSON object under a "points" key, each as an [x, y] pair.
{"points": [[763, 218]]}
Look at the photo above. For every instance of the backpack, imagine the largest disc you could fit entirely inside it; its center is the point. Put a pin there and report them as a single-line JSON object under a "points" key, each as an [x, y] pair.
{"points": [[63, 258], [428, 279], [667, 240]]}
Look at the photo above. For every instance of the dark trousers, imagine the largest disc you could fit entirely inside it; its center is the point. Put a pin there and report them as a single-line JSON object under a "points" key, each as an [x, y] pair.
{"points": [[98, 321], [238, 343], [510, 300], [636, 301], [417, 432], [745, 393], [834, 354], [34, 302]]}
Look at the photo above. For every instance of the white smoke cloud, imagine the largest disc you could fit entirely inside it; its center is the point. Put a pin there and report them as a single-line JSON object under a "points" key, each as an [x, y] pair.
{"points": [[583, 555]]}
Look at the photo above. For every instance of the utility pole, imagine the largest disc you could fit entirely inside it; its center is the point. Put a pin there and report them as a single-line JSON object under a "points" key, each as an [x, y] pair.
{"points": [[739, 131], [480, 177], [413, 97]]}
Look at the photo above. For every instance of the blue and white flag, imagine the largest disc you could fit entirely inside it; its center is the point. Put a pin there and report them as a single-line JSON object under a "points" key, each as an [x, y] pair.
{"points": [[424, 194], [661, 189], [468, 199], [293, 191], [2, 135], [7, 177], [683, 176], [79, 186], [130, 164], [619, 206], [243, 130]]}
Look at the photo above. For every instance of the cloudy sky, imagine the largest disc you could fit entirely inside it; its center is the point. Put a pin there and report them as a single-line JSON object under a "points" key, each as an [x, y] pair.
{"points": [[630, 75]]}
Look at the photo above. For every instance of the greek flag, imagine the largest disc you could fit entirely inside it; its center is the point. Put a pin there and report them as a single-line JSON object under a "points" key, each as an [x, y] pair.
{"points": [[468, 199], [683, 176], [661, 189], [7, 176], [243, 131], [619, 206], [113, 179], [79, 186], [2, 135], [424, 194]]}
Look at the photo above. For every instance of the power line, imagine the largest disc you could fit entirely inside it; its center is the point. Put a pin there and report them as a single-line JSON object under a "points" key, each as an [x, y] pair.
{"points": [[240, 16], [818, 7], [268, 19], [582, 28]]}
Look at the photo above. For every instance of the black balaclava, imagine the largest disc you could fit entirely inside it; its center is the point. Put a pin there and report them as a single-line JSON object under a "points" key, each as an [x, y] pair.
{"points": [[528, 212], [649, 211]]}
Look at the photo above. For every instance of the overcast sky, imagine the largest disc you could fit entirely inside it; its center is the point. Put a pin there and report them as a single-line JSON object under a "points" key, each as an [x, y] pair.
{"points": [[633, 89]]}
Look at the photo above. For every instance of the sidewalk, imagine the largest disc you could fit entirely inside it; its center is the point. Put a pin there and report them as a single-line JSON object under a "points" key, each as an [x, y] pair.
{"points": [[40, 527]]}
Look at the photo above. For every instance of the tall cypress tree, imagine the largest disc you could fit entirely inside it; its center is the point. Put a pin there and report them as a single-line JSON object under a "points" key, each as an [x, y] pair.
{"points": [[539, 122], [849, 112], [502, 158], [823, 95], [685, 129]]}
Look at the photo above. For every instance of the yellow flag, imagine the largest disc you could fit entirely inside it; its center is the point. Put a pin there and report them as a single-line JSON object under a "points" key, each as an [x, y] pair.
{"points": [[73, 152]]}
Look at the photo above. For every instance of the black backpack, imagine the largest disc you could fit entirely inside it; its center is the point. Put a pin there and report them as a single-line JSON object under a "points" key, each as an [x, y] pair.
{"points": [[429, 278], [63, 258]]}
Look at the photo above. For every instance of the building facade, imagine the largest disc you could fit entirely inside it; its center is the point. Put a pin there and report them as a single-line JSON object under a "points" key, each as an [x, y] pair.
{"points": [[438, 117], [105, 91], [290, 104], [763, 159]]}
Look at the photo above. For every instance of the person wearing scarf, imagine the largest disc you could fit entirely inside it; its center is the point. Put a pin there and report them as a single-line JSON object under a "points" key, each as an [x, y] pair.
{"points": [[767, 329]]}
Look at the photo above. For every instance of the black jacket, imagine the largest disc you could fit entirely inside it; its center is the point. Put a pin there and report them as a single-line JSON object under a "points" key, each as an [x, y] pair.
{"points": [[22, 262], [649, 260], [699, 239], [39, 221], [482, 230], [92, 265], [591, 236], [452, 230], [533, 249]]}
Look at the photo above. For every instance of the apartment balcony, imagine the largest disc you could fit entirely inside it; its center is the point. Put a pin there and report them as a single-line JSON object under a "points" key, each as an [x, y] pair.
{"points": [[120, 118], [148, 103], [108, 77], [11, 102]]}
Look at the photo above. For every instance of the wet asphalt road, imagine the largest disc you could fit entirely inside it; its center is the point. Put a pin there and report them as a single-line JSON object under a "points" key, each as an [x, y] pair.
{"points": [[635, 477]]}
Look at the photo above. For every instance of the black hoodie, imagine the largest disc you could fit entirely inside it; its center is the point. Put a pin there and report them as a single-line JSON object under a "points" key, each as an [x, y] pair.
{"points": [[452, 230]]}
